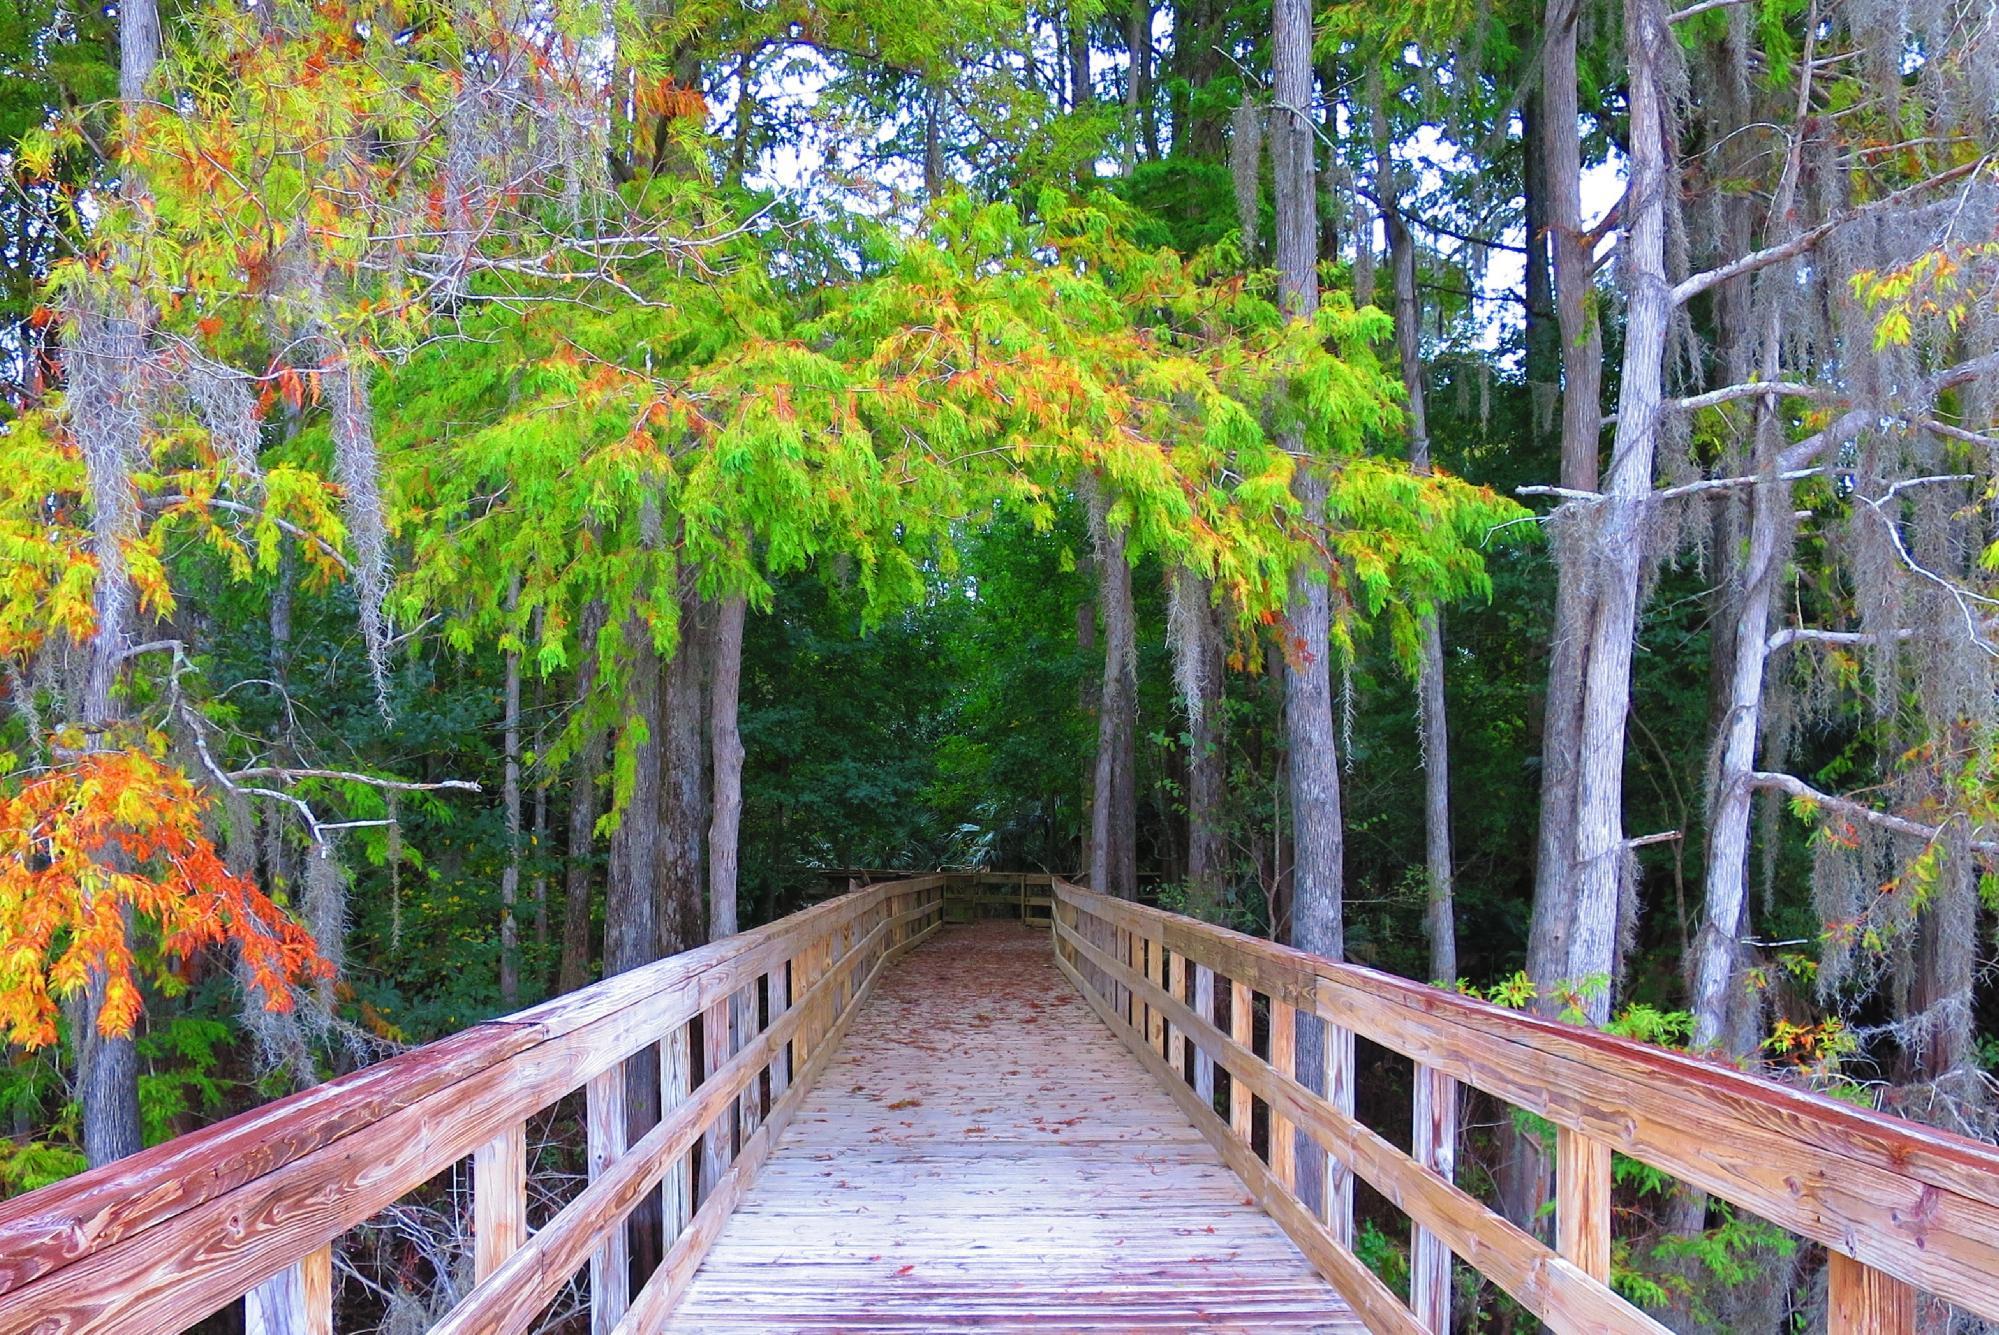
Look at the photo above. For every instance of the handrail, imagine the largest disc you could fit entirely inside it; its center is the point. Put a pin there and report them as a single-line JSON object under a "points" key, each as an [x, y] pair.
{"points": [[1899, 1206], [250, 1206]]}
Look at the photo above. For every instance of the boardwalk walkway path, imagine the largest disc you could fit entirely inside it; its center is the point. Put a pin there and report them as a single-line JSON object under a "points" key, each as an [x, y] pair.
{"points": [[981, 1153]]}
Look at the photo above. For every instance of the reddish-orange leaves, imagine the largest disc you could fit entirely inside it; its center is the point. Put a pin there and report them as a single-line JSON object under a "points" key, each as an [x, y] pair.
{"points": [[112, 838]]}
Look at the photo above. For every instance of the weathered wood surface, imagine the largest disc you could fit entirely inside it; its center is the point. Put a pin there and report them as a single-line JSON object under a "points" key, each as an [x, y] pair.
{"points": [[1539, 1279], [163, 1239], [1916, 1203], [980, 1151]]}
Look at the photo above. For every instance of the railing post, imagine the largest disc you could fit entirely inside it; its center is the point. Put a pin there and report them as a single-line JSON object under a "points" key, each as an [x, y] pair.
{"points": [[1155, 973], [1337, 1202], [1283, 1060], [604, 1133], [780, 1002], [1176, 987], [745, 1025], [1582, 1202], [499, 1199], [298, 1300], [1242, 1028], [676, 1083], [1204, 1006], [1864, 1301], [718, 1142], [1435, 1148]]}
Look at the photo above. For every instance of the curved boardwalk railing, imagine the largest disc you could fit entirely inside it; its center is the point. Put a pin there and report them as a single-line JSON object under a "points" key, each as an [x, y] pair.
{"points": [[1899, 1207], [250, 1206]]}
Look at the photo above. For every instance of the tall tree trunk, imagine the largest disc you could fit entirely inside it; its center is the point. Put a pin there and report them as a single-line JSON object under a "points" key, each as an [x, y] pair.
{"points": [[724, 697], [1582, 423], [1317, 915], [110, 426], [1081, 94], [1203, 683], [1086, 698], [1743, 647], [934, 179], [1543, 353], [510, 875], [631, 926], [573, 969], [1616, 524], [1139, 94], [1114, 815], [1524, 1167], [684, 805], [1317, 921], [1439, 917]]}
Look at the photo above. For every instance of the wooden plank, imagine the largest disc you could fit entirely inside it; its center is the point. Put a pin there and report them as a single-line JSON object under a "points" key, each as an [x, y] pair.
{"points": [[1204, 1006], [1283, 1060], [1582, 1201], [512, 1300], [43, 1231], [1919, 1203], [298, 1300], [1541, 1280], [780, 1001], [1242, 1028], [746, 1017], [130, 1246], [1085, 1202], [667, 1284], [676, 1085], [1155, 970], [1435, 1136], [605, 1132], [1336, 1203], [1863, 1301], [718, 1140], [82, 1217], [1376, 1304], [499, 1198]]}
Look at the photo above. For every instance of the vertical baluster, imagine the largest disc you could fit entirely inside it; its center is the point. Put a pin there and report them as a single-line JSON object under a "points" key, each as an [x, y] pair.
{"points": [[746, 1022], [1283, 1060], [676, 1085], [1582, 1202], [780, 1002], [1337, 1205], [298, 1300], [499, 1199], [1204, 1006], [1242, 1028], [1864, 1301], [1435, 1148], [604, 1134], [1155, 973], [804, 974], [1176, 987], [718, 1142]]}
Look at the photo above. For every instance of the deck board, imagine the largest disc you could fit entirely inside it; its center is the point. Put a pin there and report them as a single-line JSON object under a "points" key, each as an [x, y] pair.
{"points": [[982, 1153]]}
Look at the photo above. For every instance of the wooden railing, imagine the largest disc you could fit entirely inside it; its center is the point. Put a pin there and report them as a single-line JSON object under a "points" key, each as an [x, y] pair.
{"points": [[249, 1208], [1900, 1208]]}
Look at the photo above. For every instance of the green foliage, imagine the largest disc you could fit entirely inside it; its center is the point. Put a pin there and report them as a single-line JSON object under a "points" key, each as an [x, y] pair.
{"points": [[1386, 1257]]}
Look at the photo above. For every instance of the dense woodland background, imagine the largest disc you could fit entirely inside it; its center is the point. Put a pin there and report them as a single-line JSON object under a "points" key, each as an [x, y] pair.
{"points": [[494, 492]]}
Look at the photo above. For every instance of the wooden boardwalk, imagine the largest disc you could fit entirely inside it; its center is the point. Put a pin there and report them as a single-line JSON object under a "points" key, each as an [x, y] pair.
{"points": [[983, 1153]]}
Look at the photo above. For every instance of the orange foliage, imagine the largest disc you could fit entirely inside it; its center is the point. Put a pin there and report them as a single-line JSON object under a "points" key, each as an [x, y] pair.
{"points": [[111, 834]]}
